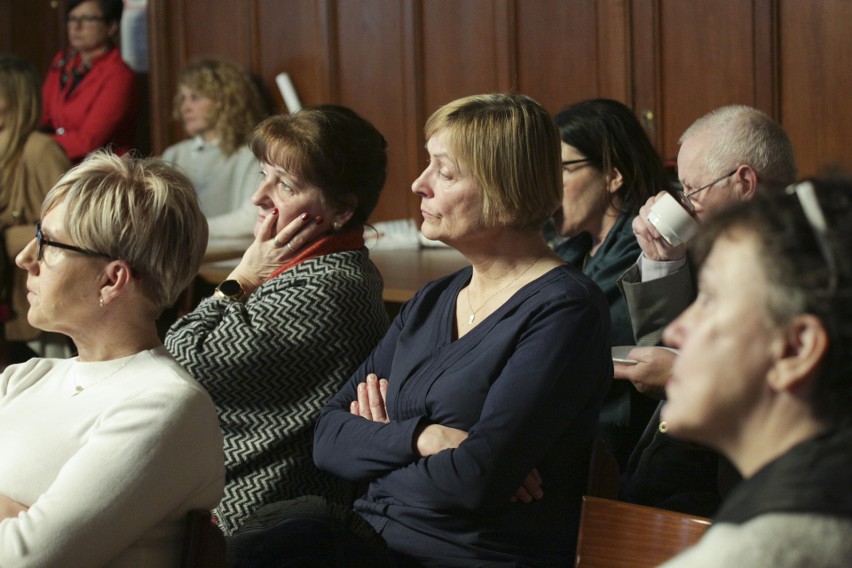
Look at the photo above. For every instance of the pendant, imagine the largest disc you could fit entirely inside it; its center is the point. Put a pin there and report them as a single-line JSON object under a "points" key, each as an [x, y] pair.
{"points": [[471, 318]]}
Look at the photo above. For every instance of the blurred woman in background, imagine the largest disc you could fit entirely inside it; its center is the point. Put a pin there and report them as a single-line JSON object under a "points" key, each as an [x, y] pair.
{"points": [[30, 163], [219, 105], [609, 169], [89, 94]]}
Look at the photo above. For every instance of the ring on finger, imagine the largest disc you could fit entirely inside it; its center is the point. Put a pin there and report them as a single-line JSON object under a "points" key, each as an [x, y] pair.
{"points": [[290, 247], [277, 243]]}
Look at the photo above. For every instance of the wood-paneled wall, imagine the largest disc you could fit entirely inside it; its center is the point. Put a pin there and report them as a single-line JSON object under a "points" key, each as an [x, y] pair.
{"points": [[815, 93], [396, 61]]}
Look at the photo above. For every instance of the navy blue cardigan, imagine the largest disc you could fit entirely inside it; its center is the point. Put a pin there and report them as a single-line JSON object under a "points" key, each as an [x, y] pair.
{"points": [[526, 384]]}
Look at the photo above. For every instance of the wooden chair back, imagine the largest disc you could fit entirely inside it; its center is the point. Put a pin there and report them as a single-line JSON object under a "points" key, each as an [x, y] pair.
{"points": [[615, 534], [203, 542], [603, 472]]}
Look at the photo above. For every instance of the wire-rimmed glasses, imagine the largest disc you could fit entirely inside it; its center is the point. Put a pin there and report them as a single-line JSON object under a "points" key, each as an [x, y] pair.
{"points": [[683, 196]]}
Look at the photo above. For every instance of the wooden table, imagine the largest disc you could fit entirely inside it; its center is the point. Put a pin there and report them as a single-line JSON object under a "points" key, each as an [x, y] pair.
{"points": [[404, 271]]}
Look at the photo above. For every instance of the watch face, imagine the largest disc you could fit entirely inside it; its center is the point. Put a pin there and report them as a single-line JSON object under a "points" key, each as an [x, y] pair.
{"points": [[231, 288]]}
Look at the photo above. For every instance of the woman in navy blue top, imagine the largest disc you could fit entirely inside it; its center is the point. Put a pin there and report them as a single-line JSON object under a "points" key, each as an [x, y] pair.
{"points": [[473, 419]]}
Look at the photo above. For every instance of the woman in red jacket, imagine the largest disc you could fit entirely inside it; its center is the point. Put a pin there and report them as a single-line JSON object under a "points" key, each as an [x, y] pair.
{"points": [[89, 95]]}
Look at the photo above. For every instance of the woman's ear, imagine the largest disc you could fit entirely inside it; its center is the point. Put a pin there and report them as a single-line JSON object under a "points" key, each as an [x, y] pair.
{"points": [[614, 181], [112, 31], [804, 343], [341, 218], [116, 277], [344, 212]]}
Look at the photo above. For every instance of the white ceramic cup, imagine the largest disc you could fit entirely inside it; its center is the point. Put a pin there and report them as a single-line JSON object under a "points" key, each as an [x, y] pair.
{"points": [[673, 222]]}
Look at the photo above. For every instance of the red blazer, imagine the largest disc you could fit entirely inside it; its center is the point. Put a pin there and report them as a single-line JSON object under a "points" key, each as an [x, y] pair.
{"points": [[100, 111]]}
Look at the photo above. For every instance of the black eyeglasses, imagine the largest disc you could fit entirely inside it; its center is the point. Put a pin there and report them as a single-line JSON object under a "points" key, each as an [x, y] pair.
{"points": [[43, 242], [85, 20], [567, 163], [684, 194]]}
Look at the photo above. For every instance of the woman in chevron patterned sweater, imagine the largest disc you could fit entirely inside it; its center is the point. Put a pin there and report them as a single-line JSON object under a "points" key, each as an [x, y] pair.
{"points": [[298, 314]]}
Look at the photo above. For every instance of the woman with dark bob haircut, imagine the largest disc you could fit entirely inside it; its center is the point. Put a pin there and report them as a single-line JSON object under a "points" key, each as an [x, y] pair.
{"points": [[299, 312], [609, 169], [764, 376], [104, 454], [472, 421]]}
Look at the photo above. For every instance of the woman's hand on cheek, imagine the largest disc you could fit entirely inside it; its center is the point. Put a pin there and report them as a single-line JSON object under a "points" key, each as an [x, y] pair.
{"points": [[271, 250]]}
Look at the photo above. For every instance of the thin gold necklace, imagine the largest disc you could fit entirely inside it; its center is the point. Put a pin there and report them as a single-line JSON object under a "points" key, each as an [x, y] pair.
{"points": [[472, 317], [78, 388]]}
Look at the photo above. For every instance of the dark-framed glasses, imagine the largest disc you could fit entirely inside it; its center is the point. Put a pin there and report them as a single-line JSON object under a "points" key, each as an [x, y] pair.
{"points": [[84, 20], [43, 241], [683, 196]]}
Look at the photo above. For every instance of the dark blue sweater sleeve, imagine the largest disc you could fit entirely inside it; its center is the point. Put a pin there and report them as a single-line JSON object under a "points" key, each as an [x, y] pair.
{"points": [[555, 373], [545, 373], [357, 449]]}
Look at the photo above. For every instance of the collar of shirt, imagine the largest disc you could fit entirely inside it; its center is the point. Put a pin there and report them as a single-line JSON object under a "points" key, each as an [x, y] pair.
{"points": [[201, 144]]}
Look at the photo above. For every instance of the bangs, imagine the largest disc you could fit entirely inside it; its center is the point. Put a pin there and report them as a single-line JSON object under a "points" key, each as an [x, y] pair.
{"points": [[277, 144]]}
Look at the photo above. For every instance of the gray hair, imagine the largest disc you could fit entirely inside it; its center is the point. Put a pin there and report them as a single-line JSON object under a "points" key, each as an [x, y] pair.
{"points": [[744, 135]]}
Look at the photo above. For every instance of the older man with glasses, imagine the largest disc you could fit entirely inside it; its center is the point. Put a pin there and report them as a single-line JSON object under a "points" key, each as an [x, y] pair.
{"points": [[723, 157]]}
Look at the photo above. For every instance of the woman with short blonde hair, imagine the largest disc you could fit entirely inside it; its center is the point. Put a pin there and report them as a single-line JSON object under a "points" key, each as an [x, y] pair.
{"points": [[509, 154], [104, 454]]}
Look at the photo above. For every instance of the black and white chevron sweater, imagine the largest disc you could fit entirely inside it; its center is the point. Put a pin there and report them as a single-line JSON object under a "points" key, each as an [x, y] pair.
{"points": [[271, 364]]}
